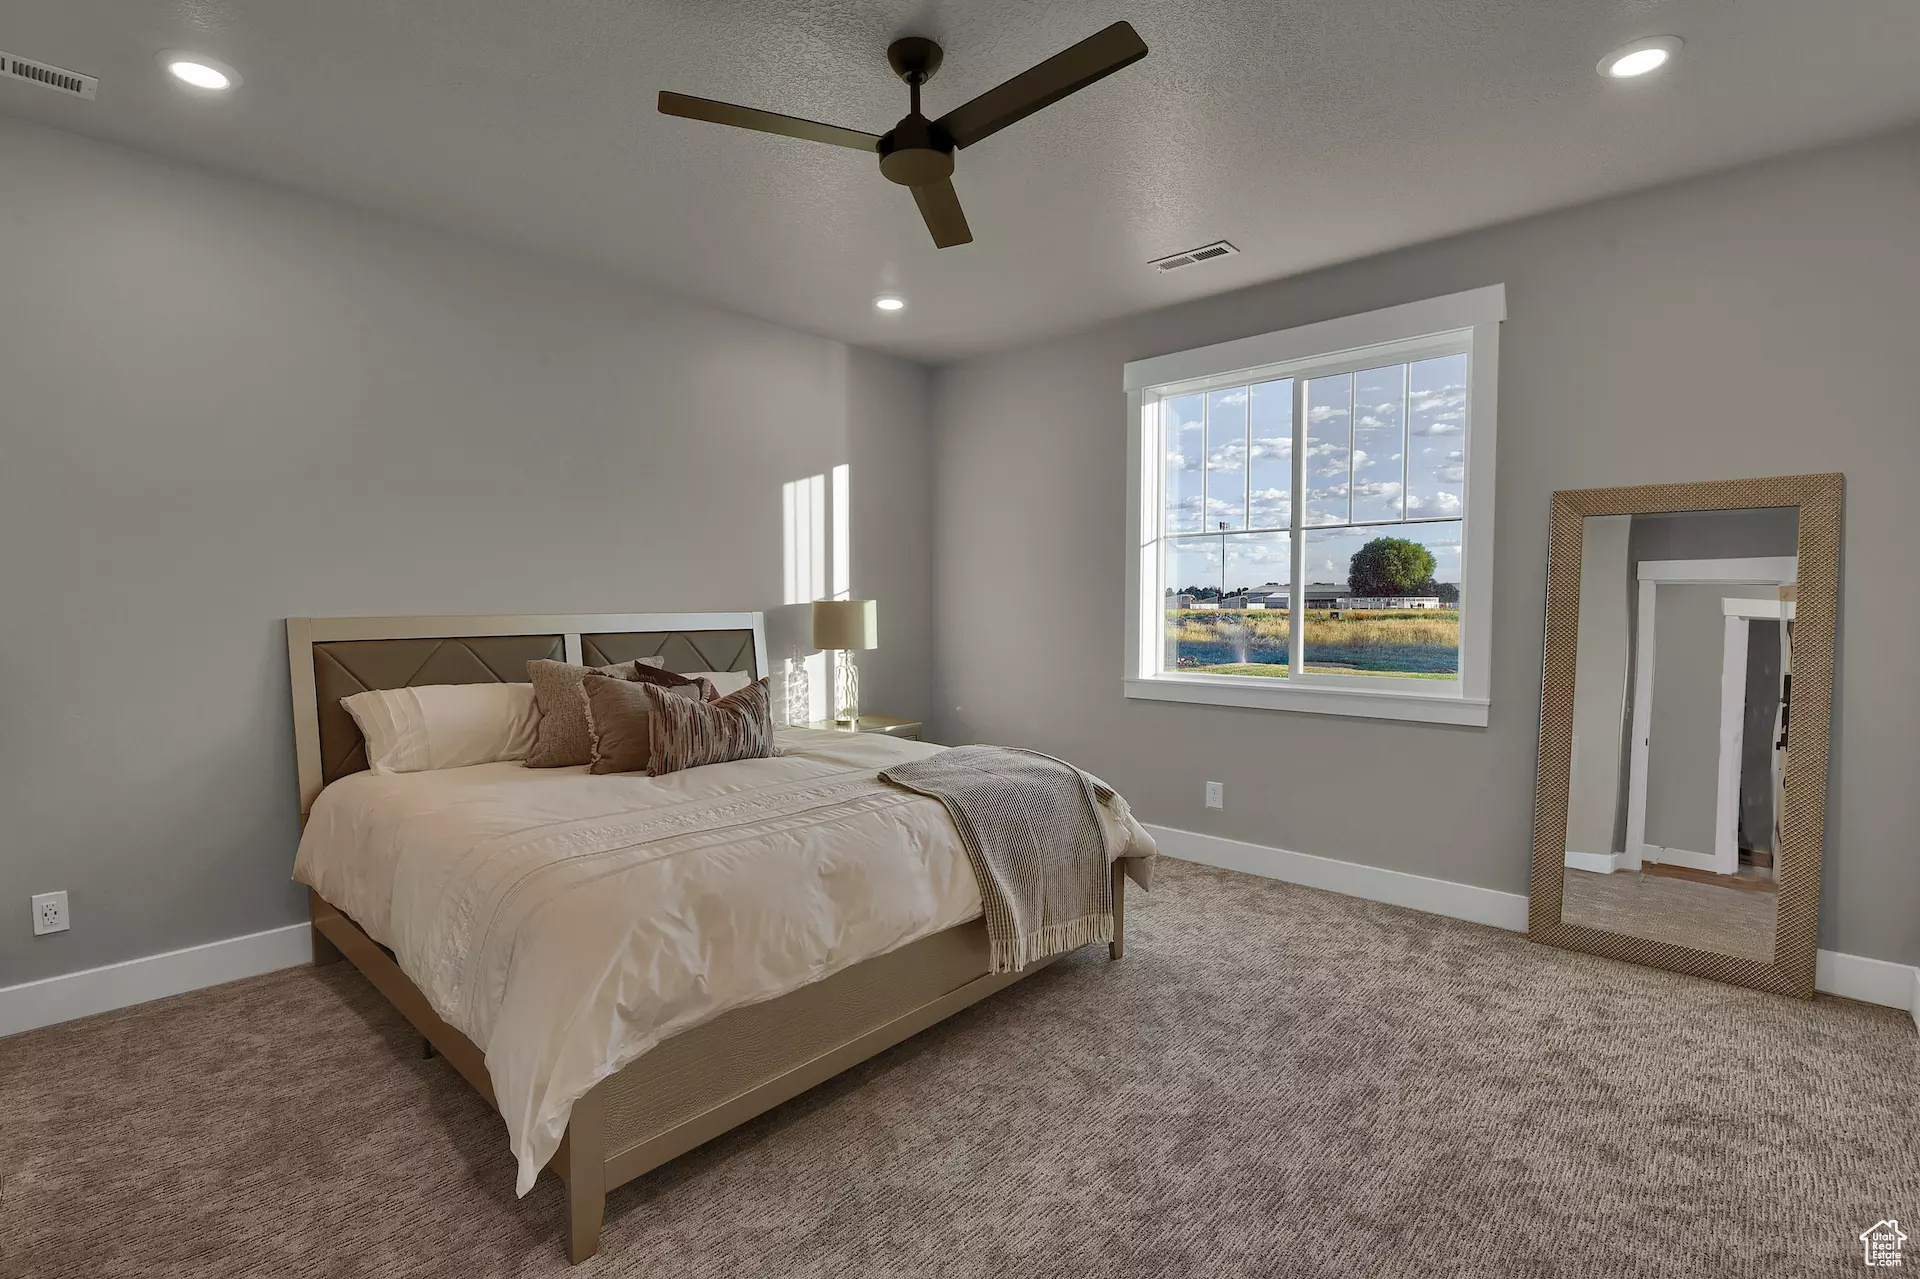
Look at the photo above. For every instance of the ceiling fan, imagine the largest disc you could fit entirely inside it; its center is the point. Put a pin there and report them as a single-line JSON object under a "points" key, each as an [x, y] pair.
{"points": [[917, 152]]}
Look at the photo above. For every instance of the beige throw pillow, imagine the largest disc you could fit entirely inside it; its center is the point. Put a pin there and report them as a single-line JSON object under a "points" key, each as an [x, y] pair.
{"points": [[619, 717], [689, 734], [561, 738]]}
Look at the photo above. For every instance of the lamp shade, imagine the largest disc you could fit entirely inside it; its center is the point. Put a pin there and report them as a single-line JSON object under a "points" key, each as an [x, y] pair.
{"points": [[845, 624]]}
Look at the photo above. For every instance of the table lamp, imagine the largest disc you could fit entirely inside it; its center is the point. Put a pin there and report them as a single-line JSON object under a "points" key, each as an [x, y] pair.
{"points": [[843, 626]]}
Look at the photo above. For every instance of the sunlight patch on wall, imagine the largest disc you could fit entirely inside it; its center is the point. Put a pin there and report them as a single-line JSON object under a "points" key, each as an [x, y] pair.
{"points": [[816, 516]]}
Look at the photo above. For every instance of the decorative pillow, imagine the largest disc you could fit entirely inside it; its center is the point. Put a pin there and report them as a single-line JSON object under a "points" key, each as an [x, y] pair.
{"points": [[688, 734], [725, 683], [657, 674], [619, 718], [561, 737], [410, 730]]}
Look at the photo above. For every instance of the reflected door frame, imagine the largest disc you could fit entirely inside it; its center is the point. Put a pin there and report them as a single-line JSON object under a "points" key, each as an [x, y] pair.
{"points": [[1739, 615], [1764, 570]]}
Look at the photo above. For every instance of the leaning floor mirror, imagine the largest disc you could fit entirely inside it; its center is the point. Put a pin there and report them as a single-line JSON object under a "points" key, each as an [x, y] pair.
{"points": [[1683, 726]]}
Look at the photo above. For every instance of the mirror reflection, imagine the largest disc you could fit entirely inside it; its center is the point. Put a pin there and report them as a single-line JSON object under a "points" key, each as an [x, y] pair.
{"points": [[1682, 684]]}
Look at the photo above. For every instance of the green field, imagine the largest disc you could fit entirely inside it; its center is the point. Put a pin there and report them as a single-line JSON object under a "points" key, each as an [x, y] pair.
{"points": [[1408, 643]]}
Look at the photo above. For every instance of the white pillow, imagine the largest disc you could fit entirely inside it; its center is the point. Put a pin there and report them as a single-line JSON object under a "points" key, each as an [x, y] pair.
{"points": [[724, 682], [410, 730]]}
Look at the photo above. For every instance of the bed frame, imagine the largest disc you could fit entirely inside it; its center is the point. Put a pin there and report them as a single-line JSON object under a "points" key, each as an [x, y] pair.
{"points": [[696, 1085]]}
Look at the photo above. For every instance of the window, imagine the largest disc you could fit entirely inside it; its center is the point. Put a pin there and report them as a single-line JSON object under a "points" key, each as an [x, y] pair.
{"points": [[1313, 519]]}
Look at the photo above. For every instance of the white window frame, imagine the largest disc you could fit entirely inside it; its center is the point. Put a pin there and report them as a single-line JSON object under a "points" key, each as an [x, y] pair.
{"points": [[1467, 321]]}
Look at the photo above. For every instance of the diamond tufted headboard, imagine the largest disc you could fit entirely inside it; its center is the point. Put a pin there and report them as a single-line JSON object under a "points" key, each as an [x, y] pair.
{"points": [[334, 657]]}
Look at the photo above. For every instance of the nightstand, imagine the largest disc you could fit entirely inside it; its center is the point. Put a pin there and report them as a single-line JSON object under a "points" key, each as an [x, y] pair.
{"points": [[884, 724]]}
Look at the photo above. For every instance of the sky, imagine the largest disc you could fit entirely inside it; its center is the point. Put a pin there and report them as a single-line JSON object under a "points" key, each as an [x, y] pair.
{"points": [[1382, 444]]}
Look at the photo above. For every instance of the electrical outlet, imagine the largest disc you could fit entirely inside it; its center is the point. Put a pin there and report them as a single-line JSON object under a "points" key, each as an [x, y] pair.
{"points": [[49, 913], [1216, 795]]}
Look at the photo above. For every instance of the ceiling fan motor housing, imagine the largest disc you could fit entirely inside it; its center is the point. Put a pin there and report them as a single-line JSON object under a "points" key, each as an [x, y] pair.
{"points": [[916, 152]]}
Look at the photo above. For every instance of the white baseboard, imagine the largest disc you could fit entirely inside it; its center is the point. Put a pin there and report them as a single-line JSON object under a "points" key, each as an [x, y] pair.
{"points": [[1375, 883], [135, 981], [1598, 863], [1681, 857], [1872, 981]]}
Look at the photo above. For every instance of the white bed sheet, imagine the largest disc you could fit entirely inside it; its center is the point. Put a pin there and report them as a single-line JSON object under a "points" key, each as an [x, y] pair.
{"points": [[567, 923]]}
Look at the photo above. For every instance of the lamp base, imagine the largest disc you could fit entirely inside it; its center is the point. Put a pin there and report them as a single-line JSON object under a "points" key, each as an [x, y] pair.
{"points": [[846, 701]]}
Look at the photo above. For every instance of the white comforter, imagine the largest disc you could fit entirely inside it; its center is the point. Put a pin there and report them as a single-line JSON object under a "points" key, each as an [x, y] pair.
{"points": [[567, 923]]}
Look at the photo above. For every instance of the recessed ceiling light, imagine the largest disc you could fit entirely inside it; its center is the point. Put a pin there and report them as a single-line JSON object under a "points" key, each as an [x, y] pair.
{"points": [[199, 71], [1640, 57], [890, 302]]}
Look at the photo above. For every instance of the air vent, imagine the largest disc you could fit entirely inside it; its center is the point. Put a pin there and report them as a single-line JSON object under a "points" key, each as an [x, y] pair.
{"points": [[1218, 249], [15, 67]]}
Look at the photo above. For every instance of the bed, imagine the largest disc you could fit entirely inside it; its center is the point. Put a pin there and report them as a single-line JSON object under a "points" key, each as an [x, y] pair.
{"points": [[626, 967]]}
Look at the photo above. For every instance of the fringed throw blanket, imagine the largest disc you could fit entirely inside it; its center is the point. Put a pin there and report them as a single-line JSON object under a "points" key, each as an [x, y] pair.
{"points": [[1031, 828]]}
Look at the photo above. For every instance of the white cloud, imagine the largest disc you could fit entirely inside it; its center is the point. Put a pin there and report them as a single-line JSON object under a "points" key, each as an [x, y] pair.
{"points": [[1269, 505], [1227, 457], [1441, 503], [1438, 398]]}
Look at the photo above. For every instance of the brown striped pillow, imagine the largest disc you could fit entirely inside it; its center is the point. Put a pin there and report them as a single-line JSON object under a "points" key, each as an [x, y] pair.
{"points": [[620, 719], [688, 734]]}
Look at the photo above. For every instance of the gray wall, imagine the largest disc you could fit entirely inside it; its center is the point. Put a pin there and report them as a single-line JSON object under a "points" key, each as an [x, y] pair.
{"points": [[1713, 535], [225, 404], [1683, 725], [1602, 648], [1762, 321]]}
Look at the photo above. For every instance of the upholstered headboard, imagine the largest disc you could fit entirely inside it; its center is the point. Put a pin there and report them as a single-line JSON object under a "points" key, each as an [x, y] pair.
{"points": [[334, 657]]}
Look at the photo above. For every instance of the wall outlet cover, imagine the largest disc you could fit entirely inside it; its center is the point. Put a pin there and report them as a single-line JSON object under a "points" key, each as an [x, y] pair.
{"points": [[1216, 795], [49, 913]]}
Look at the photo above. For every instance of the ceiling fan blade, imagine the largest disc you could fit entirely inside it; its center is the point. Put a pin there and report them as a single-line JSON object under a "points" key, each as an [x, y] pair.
{"points": [[940, 206], [692, 108], [1068, 71]]}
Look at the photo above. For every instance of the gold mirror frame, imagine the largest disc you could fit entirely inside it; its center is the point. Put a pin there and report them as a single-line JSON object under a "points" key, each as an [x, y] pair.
{"points": [[1796, 937]]}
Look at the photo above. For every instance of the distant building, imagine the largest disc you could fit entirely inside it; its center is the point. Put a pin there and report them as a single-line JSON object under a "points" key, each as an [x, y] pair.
{"points": [[1274, 595], [1315, 595], [1387, 601]]}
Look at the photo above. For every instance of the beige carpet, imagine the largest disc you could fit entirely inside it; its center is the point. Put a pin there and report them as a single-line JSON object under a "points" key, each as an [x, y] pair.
{"points": [[1274, 1082], [1715, 917]]}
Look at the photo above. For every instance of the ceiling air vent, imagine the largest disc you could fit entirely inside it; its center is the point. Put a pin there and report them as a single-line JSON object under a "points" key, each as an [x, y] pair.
{"points": [[1218, 249], [15, 67]]}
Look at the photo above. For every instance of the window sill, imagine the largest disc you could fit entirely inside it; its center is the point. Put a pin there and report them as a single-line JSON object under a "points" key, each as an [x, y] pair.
{"points": [[1312, 699]]}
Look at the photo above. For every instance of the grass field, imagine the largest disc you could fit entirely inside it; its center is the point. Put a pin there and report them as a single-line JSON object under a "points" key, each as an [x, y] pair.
{"points": [[1417, 643]]}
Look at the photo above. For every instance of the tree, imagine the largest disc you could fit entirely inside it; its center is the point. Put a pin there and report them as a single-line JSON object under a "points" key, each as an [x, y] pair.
{"points": [[1445, 592], [1389, 566]]}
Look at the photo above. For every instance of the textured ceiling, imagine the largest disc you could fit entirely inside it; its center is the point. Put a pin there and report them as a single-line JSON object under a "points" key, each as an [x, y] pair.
{"points": [[1307, 133]]}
